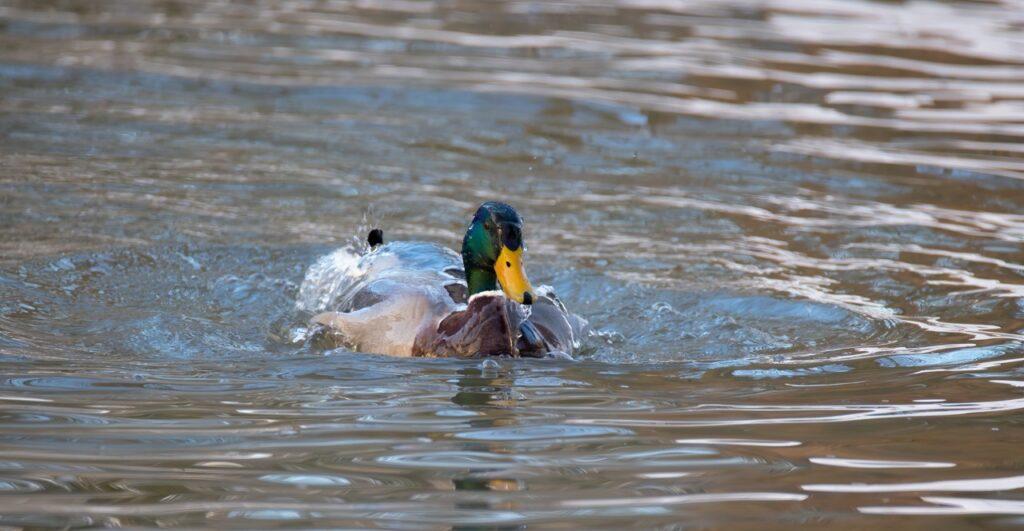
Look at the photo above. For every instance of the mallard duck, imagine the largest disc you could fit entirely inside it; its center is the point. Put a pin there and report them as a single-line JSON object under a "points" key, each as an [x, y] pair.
{"points": [[422, 299]]}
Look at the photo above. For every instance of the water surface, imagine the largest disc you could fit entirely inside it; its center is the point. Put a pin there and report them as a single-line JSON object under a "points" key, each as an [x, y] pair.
{"points": [[796, 227]]}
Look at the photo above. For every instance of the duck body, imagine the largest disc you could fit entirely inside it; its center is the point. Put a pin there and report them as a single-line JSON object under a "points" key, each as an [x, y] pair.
{"points": [[412, 299]]}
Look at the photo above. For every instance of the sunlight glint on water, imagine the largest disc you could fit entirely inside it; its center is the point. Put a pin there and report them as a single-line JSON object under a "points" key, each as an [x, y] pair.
{"points": [[796, 228]]}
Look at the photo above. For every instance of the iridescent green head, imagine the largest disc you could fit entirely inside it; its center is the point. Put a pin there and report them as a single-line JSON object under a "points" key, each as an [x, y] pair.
{"points": [[492, 253]]}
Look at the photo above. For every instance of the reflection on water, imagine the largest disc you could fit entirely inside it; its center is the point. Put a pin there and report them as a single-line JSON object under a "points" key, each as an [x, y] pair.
{"points": [[796, 227]]}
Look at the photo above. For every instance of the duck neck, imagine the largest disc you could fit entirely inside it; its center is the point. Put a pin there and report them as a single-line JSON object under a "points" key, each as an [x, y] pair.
{"points": [[478, 280]]}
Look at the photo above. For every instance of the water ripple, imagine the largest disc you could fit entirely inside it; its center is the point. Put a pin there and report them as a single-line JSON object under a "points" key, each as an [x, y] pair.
{"points": [[796, 228]]}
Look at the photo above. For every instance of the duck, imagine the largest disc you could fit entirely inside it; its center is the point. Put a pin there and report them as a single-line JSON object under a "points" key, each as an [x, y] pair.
{"points": [[421, 299]]}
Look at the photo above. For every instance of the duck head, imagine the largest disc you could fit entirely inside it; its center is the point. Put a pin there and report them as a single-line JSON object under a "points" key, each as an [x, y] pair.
{"points": [[492, 253]]}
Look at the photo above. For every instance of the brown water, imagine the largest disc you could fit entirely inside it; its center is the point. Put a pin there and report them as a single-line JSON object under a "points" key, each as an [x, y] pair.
{"points": [[796, 226]]}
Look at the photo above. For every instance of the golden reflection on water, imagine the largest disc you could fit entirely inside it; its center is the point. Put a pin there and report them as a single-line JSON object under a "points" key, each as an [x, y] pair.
{"points": [[796, 227]]}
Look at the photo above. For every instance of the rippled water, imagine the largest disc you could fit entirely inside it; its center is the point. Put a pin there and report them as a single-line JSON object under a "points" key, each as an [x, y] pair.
{"points": [[797, 228]]}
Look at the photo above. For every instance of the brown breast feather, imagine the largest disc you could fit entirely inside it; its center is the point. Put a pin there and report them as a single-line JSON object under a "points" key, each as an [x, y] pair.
{"points": [[493, 325]]}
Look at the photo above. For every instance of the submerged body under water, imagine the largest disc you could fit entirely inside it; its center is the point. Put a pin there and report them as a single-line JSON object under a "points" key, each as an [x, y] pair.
{"points": [[795, 228]]}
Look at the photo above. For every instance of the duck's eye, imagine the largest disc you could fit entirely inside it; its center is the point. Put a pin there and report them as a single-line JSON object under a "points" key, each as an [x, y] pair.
{"points": [[508, 265]]}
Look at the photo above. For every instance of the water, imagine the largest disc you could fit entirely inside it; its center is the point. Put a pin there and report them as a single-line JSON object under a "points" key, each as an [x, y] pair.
{"points": [[796, 228]]}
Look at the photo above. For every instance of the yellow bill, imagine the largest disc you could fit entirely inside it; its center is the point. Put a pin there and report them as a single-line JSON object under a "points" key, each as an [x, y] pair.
{"points": [[512, 276]]}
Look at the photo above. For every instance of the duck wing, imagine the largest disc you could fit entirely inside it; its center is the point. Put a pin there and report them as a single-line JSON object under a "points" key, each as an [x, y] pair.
{"points": [[550, 328]]}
